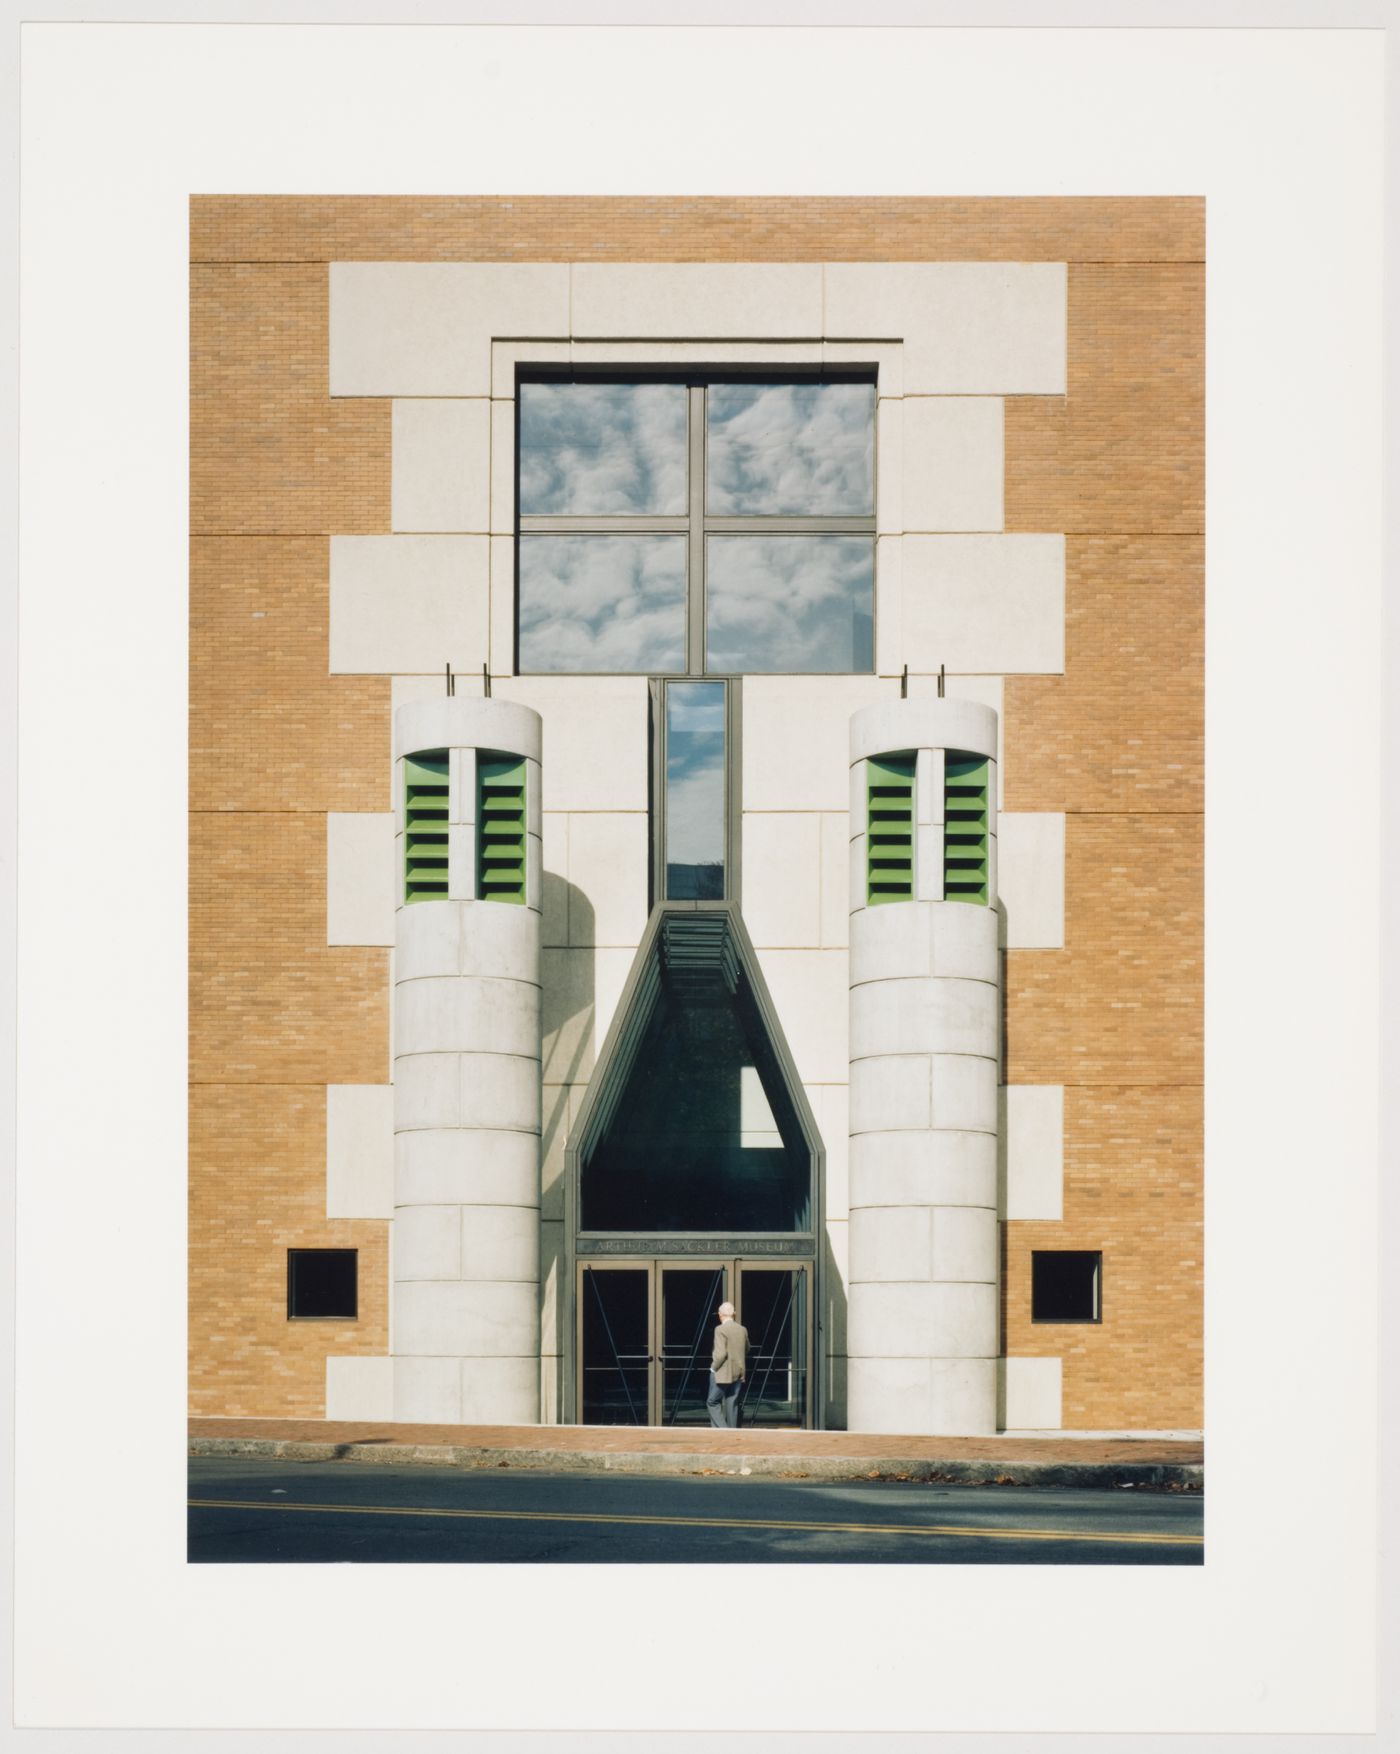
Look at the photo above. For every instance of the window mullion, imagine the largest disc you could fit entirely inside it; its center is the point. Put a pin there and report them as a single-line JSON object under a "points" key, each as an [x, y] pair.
{"points": [[695, 617]]}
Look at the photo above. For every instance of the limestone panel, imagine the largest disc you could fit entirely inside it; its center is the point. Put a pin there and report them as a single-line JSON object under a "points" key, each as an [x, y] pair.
{"points": [[923, 1016], [428, 1243], [595, 738], [965, 1244], [795, 738], [408, 603], [782, 866], [890, 1095], [359, 1151], [359, 1388], [466, 1319], [580, 991], [608, 878], [1031, 1394], [425, 328], [760, 300], [964, 1092], [831, 1108], [808, 988], [456, 1168], [1032, 1148], [984, 604], [891, 1243], [442, 465], [924, 1169], [1031, 879], [500, 1391], [427, 1091], [500, 1243], [835, 881], [428, 1390], [500, 1092], [951, 456], [950, 1397], [923, 1321], [467, 1016], [968, 328]]}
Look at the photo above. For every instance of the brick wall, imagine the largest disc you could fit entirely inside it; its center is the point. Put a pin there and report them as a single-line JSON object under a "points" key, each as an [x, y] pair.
{"points": [[276, 742]]}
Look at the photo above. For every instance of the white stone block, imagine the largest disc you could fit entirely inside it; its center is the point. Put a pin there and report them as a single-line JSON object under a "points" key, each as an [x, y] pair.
{"points": [[889, 606], [831, 1108], [500, 1092], [501, 1391], [596, 728], [551, 1389], [933, 1396], [991, 603], [427, 1092], [928, 862], [749, 301], [465, 721], [428, 1242], [894, 726], [457, 1168], [458, 1015], [507, 355], [534, 797], [502, 468], [856, 896], [502, 655], [778, 355], [500, 1243], [426, 328], [923, 1169], [1031, 1394], [1031, 879], [553, 1339], [963, 941], [886, 357], [608, 878], [923, 1015], [359, 1388], [534, 873], [554, 893], [581, 990], [466, 1319], [836, 1280], [953, 463], [361, 887], [893, 942], [461, 861], [891, 1243], [556, 1109], [359, 1151], [890, 1095], [964, 1093], [966, 1244], [427, 1391], [987, 691], [808, 989], [889, 468], [934, 1320], [968, 328], [782, 867], [928, 788], [858, 798], [407, 603], [441, 470], [1033, 1151], [461, 785], [836, 880], [501, 940], [795, 738]]}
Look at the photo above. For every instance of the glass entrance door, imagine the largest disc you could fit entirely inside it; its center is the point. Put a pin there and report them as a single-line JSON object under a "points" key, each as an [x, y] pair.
{"points": [[773, 1305], [646, 1330]]}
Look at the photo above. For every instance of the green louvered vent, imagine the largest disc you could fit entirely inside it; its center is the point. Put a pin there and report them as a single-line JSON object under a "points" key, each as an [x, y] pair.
{"points": [[425, 826], [500, 828], [889, 839], [965, 779]]}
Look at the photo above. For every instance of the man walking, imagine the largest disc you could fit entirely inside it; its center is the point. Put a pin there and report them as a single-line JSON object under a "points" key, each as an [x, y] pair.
{"points": [[727, 1370]]}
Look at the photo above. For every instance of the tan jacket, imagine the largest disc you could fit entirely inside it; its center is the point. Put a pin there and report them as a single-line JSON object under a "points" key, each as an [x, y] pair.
{"points": [[731, 1352]]}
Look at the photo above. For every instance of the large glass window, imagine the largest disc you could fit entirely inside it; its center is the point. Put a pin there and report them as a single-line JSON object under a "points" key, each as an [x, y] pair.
{"points": [[715, 527]]}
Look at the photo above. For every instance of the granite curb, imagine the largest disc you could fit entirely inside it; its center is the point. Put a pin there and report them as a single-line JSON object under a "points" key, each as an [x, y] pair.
{"points": [[1163, 1476]]}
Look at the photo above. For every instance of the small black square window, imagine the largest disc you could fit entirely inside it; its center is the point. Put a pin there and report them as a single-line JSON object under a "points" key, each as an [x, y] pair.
{"points": [[1066, 1285], [322, 1282]]}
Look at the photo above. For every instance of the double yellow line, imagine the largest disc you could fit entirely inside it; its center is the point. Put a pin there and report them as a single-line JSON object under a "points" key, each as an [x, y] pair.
{"points": [[709, 1522]]}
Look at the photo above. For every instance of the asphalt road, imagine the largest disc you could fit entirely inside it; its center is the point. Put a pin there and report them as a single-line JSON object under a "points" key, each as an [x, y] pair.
{"points": [[336, 1513]]}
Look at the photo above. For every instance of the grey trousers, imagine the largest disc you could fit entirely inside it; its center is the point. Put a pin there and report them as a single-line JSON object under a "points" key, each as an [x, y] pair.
{"points": [[723, 1403]]}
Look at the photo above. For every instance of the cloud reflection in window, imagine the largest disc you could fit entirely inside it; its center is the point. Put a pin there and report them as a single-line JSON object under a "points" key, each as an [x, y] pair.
{"points": [[791, 449], [790, 604], [600, 450], [604, 603], [695, 834]]}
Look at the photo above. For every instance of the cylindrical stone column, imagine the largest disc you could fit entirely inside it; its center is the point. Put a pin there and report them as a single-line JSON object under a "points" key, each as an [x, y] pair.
{"points": [[466, 1237], [922, 1337]]}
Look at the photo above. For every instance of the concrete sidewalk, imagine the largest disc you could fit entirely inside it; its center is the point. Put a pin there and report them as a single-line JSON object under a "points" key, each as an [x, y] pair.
{"points": [[1171, 1464]]}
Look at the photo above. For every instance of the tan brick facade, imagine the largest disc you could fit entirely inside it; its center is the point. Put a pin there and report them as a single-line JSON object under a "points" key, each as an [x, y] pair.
{"points": [[1115, 743]]}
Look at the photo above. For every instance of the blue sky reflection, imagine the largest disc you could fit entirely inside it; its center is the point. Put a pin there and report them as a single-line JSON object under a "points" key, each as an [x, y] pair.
{"points": [[791, 449], [799, 604], [605, 603], [591, 450]]}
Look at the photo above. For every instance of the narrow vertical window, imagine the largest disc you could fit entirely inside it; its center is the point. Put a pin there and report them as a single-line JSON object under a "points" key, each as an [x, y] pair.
{"points": [[425, 826], [965, 779], [500, 828], [889, 828], [695, 791]]}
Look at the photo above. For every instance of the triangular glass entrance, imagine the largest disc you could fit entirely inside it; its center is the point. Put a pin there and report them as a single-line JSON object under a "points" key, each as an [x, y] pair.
{"points": [[693, 1125]]}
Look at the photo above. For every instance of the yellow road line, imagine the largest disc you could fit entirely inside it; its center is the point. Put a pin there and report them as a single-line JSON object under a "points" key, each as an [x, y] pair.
{"points": [[708, 1522]]}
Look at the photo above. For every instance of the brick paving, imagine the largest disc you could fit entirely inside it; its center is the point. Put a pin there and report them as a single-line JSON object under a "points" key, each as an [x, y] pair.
{"points": [[574, 1440]]}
